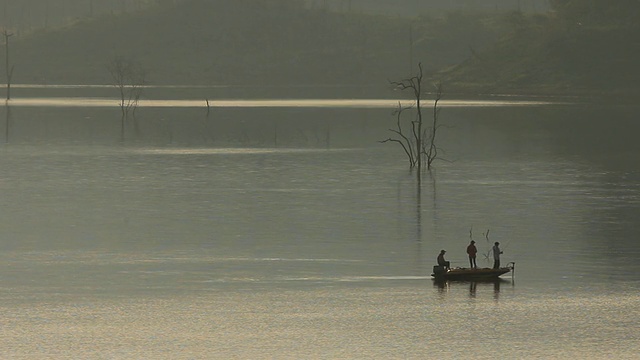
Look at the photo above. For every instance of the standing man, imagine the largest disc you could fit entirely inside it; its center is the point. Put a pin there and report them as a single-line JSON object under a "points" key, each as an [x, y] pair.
{"points": [[496, 255], [472, 251]]}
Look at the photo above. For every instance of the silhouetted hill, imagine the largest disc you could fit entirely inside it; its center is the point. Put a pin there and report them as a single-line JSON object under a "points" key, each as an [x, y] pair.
{"points": [[277, 42], [578, 47], [412, 7], [24, 16], [582, 47]]}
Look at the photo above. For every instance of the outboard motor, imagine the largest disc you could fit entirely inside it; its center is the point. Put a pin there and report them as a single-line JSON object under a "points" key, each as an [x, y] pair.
{"points": [[438, 270]]}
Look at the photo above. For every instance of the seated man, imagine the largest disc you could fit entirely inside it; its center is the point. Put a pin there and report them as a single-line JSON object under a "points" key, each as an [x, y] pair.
{"points": [[442, 262]]}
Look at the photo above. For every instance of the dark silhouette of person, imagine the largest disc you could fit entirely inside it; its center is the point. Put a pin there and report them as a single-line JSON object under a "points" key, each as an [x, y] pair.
{"points": [[472, 251], [442, 262], [496, 255]]}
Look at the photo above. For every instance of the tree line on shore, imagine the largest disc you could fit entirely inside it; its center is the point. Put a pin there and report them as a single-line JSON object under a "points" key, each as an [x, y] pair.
{"points": [[279, 42]]}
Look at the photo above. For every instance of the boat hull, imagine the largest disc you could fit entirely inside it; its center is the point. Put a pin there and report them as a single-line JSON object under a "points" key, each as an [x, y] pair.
{"points": [[465, 274]]}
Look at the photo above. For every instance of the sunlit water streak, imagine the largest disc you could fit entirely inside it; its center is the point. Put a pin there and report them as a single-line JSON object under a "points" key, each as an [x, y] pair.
{"points": [[263, 103], [231, 151], [405, 321]]}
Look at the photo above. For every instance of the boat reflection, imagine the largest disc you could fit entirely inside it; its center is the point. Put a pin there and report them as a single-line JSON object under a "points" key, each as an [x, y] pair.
{"points": [[444, 286]]}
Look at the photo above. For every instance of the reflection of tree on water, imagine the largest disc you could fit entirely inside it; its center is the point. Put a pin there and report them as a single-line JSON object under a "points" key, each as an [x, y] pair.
{"points": [[419, 209], [418, 235], [7, 120], [418, 213]]}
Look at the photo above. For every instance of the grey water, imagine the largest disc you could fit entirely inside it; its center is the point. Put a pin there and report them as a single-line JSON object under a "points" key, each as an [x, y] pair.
{"points": [[290, 232]]}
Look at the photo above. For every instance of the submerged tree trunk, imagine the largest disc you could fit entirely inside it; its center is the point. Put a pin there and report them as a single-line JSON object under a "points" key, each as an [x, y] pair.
{"points": [[8, 67]]}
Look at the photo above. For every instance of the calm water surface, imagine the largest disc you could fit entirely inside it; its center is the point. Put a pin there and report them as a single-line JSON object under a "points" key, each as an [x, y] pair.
{"points": [[291, 233]]}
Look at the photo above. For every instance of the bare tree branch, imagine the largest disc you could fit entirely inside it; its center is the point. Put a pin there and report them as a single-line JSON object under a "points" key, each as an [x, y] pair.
{"points": [[419, 143]]}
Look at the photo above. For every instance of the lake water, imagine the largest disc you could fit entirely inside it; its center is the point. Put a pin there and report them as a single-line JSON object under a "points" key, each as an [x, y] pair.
{"points": [[290, 232]]}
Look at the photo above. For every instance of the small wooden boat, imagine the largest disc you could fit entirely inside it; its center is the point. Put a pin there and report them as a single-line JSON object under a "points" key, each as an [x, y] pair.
{"points": [[469, 274]]}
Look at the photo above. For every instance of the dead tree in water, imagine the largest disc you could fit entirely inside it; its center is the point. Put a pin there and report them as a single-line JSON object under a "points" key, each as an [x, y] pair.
{"points": [[8, 67], [129, 78], [418, 143]]}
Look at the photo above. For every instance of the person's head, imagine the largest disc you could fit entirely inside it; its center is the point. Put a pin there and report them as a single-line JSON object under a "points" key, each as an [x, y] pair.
{"points": [[472, 242], [497, 243], [442, 251]]}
